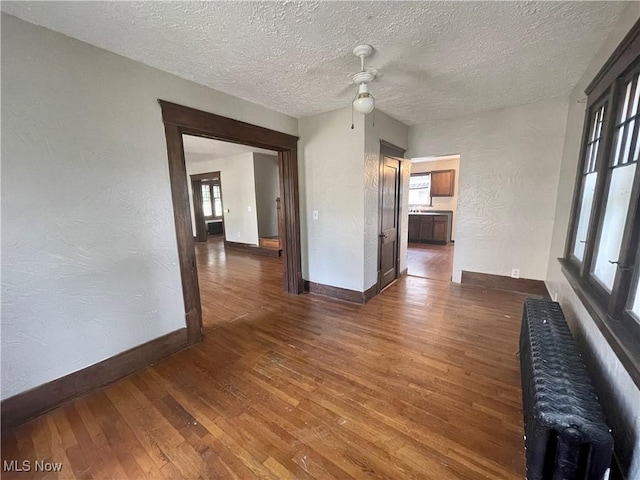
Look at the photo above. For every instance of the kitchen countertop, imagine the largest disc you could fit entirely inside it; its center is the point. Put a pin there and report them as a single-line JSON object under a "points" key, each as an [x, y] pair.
{"points": [[432, 212]]}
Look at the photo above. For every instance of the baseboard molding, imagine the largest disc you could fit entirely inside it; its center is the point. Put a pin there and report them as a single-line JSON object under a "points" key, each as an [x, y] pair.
{"points": [[28, 405], [253, 249], [502, 282], [404, 272], [370, 292], [345, 294]]}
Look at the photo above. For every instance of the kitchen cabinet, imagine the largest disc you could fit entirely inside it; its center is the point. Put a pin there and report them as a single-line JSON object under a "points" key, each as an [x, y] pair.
{"points": [[442, 183], [414, 228], [425, 228]]}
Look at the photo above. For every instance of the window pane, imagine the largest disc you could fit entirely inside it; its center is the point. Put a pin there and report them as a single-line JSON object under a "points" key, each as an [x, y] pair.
{"points": [[421, 196], [217, 206], [216, 191], [206, 200], [420, 181], [613, 224], [636, 302], [588, 189]]}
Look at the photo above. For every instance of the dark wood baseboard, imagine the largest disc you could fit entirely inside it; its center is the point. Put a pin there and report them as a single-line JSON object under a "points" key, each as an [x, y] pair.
{"points": [[502, 282], [345, 294], [28, 405], [370, 292], [404, 272], [253, 249]]}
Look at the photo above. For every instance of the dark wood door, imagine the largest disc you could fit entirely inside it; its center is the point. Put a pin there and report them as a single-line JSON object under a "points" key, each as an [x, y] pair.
{"points": [[201, 227], [389, 205]]}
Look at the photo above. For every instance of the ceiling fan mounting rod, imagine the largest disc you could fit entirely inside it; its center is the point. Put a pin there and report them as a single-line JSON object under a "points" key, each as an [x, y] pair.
{"points": [[363, 51]]}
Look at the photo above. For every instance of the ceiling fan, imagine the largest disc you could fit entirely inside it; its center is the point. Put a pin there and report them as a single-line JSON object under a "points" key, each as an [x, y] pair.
{"points": [[363, 101]]}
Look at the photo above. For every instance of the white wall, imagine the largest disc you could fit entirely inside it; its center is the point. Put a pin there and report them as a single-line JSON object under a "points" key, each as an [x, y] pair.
{"points": [[339, 169], [509, 169], [267, 186], [443, 203], [238, 193], [331, 169], [622, 397], [89, 256], [395, 132]]}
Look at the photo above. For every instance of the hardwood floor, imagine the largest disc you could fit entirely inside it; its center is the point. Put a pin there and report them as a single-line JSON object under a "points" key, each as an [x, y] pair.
{"points": [[421, 382], [430, 261]]}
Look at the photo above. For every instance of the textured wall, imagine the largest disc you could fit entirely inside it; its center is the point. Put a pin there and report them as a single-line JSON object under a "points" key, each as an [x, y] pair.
{"points": [[509, 167], [89, 258], [622, 396], [331, 168], [396, 133], [238, 193], [404, 212], [267, 183], [443, 203]]}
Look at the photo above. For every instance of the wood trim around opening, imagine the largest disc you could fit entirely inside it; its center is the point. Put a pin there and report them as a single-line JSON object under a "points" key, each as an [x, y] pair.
{"points": [[179, 120], [28, 405]]}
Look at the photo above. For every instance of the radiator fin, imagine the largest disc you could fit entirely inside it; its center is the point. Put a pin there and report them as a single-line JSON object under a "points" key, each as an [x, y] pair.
{"points": [[566, 434]]}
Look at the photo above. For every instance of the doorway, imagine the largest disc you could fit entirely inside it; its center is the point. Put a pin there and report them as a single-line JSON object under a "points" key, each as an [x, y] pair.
{"points": [[433, 204], [390, 221], [206, 194], [179, 120]]}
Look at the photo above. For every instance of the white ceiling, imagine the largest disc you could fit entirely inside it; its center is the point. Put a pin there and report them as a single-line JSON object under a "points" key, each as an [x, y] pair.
{"points": [[202, 149], [437, 59]]}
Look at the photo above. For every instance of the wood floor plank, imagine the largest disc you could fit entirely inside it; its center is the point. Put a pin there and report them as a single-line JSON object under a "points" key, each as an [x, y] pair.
{"points": [[421, 382]]}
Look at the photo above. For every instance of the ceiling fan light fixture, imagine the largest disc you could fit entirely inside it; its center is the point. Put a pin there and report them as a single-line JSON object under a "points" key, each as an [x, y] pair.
{"points": [[364, 101]]}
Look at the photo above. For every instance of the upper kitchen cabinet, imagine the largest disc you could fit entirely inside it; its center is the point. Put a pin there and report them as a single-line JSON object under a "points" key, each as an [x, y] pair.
{"points": [[442, 183]]}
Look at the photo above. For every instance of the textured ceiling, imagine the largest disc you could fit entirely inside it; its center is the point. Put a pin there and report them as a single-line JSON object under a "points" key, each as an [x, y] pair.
{"points": [[203, 149], [436, 59]]}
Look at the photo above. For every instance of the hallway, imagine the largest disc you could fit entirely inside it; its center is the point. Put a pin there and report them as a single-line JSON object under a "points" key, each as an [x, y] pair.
{"points": [[422, 382]]}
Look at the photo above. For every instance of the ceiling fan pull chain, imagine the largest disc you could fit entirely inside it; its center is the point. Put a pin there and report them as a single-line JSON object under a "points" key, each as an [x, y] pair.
{"points": [[351, 115]]}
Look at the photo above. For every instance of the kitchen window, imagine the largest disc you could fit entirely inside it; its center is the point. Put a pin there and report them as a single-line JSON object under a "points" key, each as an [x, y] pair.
{"points": [[601, 257], [420, 189]]}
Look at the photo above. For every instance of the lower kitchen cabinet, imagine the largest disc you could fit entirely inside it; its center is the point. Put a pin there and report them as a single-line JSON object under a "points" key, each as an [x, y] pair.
{"points": [[428, 228]]}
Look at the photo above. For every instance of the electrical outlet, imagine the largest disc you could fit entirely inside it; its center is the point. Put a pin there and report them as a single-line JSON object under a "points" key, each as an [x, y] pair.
{"points": [[515, 273], [238, 234], [554, 296], [249, 208], [315, 214]]}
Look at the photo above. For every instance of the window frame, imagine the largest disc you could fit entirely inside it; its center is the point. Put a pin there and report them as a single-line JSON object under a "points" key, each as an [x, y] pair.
{"points": [[422, 174], [610, 310], [210, 183]]}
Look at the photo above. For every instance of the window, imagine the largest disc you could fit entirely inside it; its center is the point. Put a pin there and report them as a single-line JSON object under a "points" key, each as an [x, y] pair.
{"points": [[420, 189], [602, 254], [211, 199]]}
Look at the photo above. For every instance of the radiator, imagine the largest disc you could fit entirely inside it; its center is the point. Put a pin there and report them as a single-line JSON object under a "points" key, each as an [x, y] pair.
{"points": [[566, 436]]}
